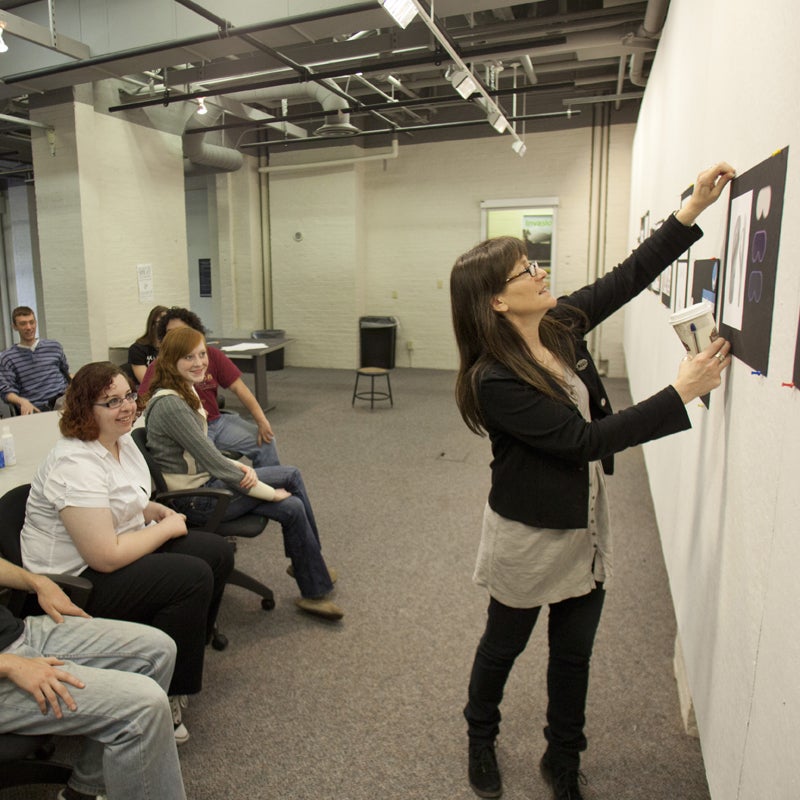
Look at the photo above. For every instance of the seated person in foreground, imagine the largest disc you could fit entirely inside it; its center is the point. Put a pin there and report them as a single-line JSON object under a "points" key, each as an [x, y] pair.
{"points": [[104, 680], [144, 350], [89, 513], [34, 372], [229, 432], [176, 436]]}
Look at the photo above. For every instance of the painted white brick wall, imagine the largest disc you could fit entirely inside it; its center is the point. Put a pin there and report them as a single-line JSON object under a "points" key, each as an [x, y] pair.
{"points": [[110, 197], [380, 237]]}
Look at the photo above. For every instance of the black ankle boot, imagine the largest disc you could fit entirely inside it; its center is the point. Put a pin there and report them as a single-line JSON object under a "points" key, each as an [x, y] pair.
{"points": [[565, 781], [484, 774]]}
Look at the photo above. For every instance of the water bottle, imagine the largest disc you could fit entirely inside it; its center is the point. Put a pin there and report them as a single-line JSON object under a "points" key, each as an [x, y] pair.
{"points": [[8, 448]]}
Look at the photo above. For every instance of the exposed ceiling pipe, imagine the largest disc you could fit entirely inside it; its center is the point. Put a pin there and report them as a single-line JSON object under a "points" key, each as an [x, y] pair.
{"points": [[527, 66], [654, 16], [620, 81], [335, 162]]}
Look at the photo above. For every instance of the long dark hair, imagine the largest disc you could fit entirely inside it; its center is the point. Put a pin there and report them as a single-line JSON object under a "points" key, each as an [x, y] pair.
{"points": [[485, 337], [150, 335]]}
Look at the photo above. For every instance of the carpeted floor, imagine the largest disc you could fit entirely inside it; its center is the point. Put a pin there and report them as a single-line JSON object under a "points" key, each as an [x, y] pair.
{"points": [[370, 708]]}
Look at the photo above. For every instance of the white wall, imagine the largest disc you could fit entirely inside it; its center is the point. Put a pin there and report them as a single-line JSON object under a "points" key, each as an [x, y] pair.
{"points": [[109, 197], [725, 493], [379, 238]]}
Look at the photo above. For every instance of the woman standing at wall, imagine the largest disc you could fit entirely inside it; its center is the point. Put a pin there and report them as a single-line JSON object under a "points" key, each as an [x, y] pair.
{"points": [[526, 378]]}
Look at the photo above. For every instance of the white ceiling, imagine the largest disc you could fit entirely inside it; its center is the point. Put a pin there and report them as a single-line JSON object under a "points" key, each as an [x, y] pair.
{"points": [[535, 60]]}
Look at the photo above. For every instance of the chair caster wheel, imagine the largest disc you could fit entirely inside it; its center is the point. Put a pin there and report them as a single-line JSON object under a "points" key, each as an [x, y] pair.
{"points": [[267, 603], [219, 641]]}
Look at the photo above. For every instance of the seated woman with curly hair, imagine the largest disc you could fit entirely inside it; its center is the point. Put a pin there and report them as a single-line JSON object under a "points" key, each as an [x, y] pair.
{"points": [[89, 513]]}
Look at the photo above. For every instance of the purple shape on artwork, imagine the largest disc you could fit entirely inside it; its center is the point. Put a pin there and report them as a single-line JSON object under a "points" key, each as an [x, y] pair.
{"points": [[754, 285], [759, 248]]}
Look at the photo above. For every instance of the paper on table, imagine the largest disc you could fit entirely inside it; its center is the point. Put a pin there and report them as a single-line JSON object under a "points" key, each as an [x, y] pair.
{"points": [[244, 347]]}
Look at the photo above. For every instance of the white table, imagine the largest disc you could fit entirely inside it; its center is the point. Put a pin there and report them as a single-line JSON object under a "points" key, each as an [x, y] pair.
{"points": [[34, 437], [253, 358]]}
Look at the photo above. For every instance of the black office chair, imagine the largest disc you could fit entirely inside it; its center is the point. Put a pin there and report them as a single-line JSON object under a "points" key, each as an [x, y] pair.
{"points": [[248, 526], [28, 760]]}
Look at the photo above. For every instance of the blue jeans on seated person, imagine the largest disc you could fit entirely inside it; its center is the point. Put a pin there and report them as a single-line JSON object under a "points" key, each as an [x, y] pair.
{"points": [[300, 535], [129, 752], [230, 432]]}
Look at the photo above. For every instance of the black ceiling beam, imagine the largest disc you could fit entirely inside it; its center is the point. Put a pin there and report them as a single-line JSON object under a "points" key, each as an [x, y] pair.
{"points": [[155, 49], [429, 58]]}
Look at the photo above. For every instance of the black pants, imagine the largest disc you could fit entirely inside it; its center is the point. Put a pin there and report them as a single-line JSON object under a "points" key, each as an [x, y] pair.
{"points": [[571, 630], [177, 589]]}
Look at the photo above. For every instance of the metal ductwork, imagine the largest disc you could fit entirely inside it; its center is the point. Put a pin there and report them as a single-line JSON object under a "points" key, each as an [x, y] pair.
{"points": [[213, 156], [338, 124]]}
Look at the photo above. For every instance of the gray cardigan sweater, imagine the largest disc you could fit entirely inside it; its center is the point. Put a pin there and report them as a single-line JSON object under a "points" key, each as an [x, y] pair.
{"points": [[177, 438]]}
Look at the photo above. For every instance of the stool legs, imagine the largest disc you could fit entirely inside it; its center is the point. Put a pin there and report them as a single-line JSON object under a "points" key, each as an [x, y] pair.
{"points": [[372, 395]]}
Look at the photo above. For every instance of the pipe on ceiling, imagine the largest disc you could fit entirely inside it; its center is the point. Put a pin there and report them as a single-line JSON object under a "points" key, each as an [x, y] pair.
{"points": [[336, 162], [654, 16]]}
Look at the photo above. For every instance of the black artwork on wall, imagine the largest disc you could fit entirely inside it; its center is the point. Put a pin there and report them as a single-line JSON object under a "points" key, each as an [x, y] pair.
{"points": [[747, 292]]}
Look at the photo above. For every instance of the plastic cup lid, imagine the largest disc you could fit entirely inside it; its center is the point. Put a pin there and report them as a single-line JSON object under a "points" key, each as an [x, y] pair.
{"points": [[691, 312]]}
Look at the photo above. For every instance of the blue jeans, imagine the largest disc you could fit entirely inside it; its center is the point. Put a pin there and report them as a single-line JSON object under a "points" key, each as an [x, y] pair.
{"points": [[571, 630], [123, 711], [300, 535], [231, 432]]}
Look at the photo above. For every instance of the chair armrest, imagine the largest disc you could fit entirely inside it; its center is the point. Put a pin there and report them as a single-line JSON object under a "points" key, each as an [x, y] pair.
{"points": [[76, 588], [21, 603], [223, 497]]}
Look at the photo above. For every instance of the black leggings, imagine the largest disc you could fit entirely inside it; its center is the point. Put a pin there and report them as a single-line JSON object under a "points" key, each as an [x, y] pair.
{"points": [[177, 589], [571, 630]]}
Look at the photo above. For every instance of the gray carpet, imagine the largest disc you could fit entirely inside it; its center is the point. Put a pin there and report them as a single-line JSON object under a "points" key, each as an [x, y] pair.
{"points": [[301, 709]]}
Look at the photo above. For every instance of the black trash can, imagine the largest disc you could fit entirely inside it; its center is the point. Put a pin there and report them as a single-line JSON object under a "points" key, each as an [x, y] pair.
{"points": [[378, 338], [274, 360]]}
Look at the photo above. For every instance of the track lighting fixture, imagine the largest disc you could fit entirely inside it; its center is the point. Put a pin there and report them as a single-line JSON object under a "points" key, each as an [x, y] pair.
{"points": [[497, 120], [463, 82], [402, 11], [201, 105]]}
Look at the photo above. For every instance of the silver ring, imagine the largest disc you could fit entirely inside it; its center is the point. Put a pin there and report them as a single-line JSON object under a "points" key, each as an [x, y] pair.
{"points": [[720, 356]]}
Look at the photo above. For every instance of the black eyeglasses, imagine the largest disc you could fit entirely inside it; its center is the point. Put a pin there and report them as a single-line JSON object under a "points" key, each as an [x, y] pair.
{"points": [[116, 402], [531, 269]]}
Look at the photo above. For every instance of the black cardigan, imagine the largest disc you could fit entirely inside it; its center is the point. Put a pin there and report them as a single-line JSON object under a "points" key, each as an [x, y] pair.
{"points": [[541, 447]]}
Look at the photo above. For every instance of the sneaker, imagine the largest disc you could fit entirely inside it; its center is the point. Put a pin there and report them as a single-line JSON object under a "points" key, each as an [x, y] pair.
{"points": [[332, 574], [319, 606], [68, 793], [175, 703], [484, 774], [565, 782]]}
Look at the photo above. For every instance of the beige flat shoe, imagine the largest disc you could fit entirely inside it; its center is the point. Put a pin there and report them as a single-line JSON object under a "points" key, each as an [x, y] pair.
{"points": [[331, 572], [320, 606]]}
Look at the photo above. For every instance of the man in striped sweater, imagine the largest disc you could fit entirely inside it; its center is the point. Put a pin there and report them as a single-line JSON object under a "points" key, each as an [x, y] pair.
{"points": [[34, 372]]}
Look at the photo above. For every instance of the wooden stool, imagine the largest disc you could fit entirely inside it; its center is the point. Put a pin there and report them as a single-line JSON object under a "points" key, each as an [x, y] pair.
{"points": [[372, 395]]}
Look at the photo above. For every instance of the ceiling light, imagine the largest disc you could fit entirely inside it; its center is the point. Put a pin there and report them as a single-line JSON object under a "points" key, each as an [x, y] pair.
{"points": [[497, 120], [201, 105], [518, 146], [3, 45], [463, 83], [402, 11]]}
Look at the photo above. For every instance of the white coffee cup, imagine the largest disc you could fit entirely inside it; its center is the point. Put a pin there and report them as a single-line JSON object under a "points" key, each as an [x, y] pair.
{"points": [[695, 326]]}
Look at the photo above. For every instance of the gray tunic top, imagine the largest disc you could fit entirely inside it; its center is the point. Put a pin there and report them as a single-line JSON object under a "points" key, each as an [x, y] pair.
{"points": [[524, 567]]}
